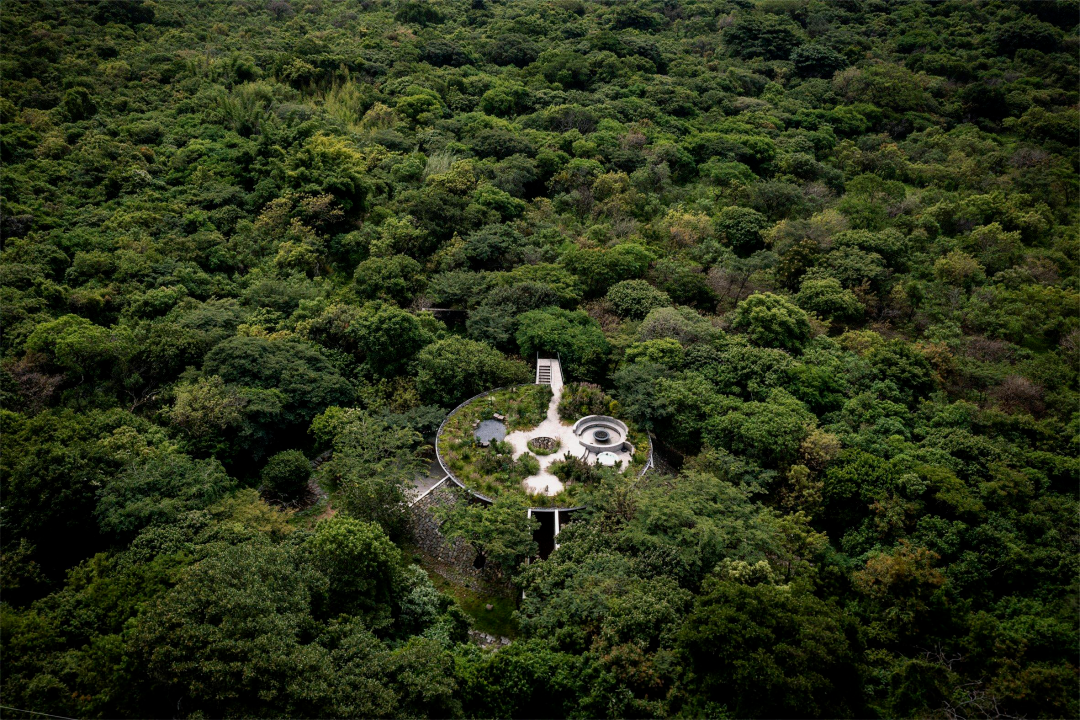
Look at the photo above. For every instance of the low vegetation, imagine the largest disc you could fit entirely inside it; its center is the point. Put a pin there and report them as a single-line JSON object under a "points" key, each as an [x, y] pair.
{"points": [[492, 470], [544, 445]]}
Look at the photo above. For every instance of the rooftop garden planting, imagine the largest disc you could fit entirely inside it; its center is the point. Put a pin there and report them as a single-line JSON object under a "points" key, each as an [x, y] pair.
{"points": [[492, 470]]}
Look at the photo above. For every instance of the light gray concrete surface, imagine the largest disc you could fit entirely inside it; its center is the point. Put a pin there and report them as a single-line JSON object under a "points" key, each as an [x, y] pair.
{"points": [[423, 483], [544, 482]]}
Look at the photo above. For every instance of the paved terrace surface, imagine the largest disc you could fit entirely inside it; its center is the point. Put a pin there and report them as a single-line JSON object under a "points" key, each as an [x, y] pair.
{"points": [[424, 483], [544, 482]]}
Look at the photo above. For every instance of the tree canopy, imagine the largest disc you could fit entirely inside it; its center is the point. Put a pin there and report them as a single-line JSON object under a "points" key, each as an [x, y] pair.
{"points": [[824, 253]]}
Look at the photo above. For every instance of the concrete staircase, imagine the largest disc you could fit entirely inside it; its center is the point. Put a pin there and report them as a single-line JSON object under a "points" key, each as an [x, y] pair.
{"points": [[543, 372]]}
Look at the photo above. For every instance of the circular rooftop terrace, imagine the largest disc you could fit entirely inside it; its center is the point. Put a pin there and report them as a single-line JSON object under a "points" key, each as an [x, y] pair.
{"points": [[484, 443]]}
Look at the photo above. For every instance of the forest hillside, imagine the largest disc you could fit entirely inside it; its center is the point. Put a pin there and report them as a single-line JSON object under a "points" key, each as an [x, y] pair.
{"points": [[823, 254]]}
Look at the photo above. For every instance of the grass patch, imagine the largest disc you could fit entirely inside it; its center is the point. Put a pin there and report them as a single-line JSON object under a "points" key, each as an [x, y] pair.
{"points": [[491, 470], [499, 620], [473, 601]]}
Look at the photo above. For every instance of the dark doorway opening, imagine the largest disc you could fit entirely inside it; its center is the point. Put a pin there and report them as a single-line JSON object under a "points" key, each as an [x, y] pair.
{"points": [[545, 534]]}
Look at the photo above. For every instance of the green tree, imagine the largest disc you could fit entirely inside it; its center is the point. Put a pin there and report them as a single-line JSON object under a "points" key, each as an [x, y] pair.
{"points": [[373, 466], [770, 432], [158, 488], [285, 476], [307, 382], [362, 566], [767, 36], [598, 270], [327, 164], [692, 524], [575, 336], [684, 282], [742, 228], [79, 347], [387, 338], [453, 369], [682, 323], [234, 636], [663, 351], [207, 407], [524, 678], [52, 467], [635, 298], [907, 368], [493, 326], [421, 674], [504, 99], [829, 299], [771, 321], [819, 61], [958, 268], [382, 337], [397, 278], [732, 640], [501, 533]]}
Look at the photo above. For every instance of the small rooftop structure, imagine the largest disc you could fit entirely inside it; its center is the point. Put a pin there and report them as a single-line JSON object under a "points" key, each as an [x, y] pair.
{"points": [[595, 439], [600, 433]]}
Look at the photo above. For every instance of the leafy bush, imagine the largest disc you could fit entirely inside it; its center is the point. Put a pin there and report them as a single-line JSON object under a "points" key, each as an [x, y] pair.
{"points": [[575, 471], [742, 228], [454, 368], [771, 321], [634, 299], [829, 299], [581, 399], [285, 476], [575, 336]]}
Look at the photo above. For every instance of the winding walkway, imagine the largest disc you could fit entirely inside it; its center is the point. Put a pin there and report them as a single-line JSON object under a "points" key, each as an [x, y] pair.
{"points": [[544, 482]]}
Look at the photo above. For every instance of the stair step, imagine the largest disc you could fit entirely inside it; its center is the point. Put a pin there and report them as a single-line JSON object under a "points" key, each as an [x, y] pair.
{"points": [[544, 371]]}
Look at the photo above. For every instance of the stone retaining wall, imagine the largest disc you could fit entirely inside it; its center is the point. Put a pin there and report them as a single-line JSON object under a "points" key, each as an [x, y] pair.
{"points": [[425, 530]]}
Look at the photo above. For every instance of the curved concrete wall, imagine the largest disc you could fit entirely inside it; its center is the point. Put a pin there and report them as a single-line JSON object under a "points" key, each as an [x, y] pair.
{"points": [[619, 424], [438, 453], [592, 422], [610, 447]]}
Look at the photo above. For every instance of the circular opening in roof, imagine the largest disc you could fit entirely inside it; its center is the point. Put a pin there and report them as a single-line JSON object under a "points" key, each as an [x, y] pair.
{"points": [[543, 445], [490, 431], [607, 459]]}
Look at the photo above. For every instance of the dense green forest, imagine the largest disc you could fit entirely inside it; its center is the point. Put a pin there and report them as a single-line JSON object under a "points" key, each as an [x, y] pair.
{"points": [[825, 252]]}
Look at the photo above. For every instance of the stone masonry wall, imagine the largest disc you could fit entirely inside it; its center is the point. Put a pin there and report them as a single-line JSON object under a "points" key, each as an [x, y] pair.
{"points": [[425, 527]]}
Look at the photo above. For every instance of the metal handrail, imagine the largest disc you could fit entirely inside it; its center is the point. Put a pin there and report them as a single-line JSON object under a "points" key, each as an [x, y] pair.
{"points": [[649, 462]]}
